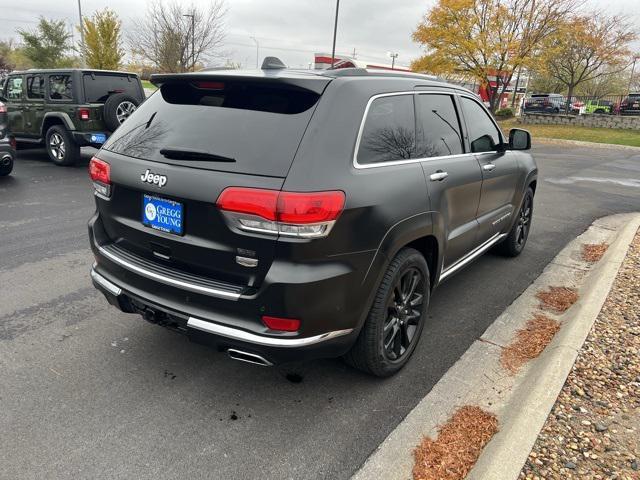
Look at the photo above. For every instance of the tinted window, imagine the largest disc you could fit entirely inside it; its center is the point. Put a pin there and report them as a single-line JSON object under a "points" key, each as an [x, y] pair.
{"points": [[60, 87], [483, 134], [35, 87], [389, 131], [239, 127], [14, 88], [98, 87], [439, 126]]}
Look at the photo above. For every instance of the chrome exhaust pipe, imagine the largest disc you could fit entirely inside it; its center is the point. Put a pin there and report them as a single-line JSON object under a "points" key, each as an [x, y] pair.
{"points": [[248, 357]]}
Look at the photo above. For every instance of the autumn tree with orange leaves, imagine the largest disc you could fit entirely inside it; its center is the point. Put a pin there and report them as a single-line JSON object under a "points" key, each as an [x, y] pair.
{"points": [[587, 48], [479, 38]]}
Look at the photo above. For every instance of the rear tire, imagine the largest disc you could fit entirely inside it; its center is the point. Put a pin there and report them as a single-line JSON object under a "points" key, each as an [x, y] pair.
{"points": [[6, 169], [395, 322], [62, 149], [513, 245]]}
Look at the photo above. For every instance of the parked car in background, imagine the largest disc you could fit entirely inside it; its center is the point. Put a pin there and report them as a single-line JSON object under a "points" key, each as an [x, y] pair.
{"points": [[599, 106], [284, 215], [545, 103], [7, 154], [630, 105], [4, 123], [68, 109]]}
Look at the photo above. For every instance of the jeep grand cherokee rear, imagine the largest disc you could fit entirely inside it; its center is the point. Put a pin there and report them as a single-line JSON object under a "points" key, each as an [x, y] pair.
{"points": [[241, 208]]}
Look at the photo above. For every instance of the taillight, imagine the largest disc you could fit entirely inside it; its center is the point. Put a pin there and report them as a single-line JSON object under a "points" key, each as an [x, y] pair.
{"points": [[13, 143], [293, 214], [3, 108], [100, 173], [281, 324], [84, 113]]}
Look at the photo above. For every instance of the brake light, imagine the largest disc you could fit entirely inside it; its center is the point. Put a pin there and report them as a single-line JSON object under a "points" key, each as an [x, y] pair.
{"points": [[3, 108], [293, 214], [13, 143], [281, 324], [100, 173], [209, 85], [84, 113]]}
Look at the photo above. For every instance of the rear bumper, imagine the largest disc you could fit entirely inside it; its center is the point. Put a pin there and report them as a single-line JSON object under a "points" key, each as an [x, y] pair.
{"points": [[225, 318], [88, 139]]}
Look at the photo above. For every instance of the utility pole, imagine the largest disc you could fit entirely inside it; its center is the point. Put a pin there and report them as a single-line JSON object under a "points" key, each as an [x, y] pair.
{"points": [[393, 59], [84, 61], [193, 39], [633, 69], [335, 31], [353, 55], [515, 89], [257, 51]]}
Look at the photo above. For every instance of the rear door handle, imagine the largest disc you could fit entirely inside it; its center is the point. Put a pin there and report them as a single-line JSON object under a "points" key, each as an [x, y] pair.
{"points": [[488, 167], [438, 176]]}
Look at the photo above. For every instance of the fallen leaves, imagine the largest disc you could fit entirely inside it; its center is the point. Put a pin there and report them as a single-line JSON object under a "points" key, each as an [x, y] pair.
{"points": [[593, 252], [458, 446], [557, 299], [529, 342]]}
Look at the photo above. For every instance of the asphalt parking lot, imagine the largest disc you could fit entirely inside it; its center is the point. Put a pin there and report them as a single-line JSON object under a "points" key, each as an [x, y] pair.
{"points": [[87, 392]]}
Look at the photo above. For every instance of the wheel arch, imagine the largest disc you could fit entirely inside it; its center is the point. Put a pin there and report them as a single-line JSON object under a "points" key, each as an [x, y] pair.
{"points": [[55, 118]]}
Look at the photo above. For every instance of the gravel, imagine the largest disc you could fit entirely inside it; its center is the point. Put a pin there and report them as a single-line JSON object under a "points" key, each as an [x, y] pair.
{"points": [[592, 431]]}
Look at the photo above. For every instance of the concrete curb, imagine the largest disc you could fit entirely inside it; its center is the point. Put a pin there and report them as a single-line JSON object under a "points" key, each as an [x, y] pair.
{"points": [[522, 403], [579, 143], [537, 391]]}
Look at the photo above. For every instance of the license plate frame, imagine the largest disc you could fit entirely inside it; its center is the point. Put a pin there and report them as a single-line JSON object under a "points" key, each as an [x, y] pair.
{"points": [[162, 214]]}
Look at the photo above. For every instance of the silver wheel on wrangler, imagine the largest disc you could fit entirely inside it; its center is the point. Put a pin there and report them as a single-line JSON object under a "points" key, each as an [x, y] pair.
{"points": [[124, 110], [57, 146]]}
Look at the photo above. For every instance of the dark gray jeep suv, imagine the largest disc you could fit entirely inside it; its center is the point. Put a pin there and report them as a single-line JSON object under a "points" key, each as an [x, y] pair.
{"points": [[284, 215]]}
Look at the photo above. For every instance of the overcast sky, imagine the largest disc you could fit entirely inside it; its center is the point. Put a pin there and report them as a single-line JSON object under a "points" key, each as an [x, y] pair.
{"points": [[290, 29]]}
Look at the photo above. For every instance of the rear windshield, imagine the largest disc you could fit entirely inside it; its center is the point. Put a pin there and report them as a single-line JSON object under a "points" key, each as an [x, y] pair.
{"points": [[98, 86], [233, 127]]}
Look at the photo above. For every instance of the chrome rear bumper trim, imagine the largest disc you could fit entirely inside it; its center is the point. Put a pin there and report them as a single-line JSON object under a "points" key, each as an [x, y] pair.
{"points": [[106, 284], [245, 336], [214, 292]]}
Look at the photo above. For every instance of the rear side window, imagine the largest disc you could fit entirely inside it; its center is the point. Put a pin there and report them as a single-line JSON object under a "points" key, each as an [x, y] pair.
{"points": [[228, 126], [438, 125], [14, 88], [60, 87], [35, 87], [389, 131], [98, 86], [484, 136]]}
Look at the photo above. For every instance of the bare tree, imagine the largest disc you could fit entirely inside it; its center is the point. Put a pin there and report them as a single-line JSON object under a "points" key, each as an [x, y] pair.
{"points": [[177, 38]]}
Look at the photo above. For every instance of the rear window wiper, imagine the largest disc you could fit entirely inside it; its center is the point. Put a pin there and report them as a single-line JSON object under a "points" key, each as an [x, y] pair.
{"points": [[183, 154]]}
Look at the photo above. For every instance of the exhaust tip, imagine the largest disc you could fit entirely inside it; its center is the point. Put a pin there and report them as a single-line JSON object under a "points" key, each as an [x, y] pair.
{"points": [[248, 357]]}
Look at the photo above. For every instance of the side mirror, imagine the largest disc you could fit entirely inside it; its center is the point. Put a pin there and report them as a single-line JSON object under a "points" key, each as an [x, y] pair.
{"points": [[519, 139]]}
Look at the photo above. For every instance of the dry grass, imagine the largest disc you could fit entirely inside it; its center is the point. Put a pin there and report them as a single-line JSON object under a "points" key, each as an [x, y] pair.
{"points": [[593, 252], [529, 342], [557, 299], [458, 446]]}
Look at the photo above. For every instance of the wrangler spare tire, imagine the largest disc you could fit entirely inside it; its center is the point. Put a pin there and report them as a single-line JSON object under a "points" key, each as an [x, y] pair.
{"points": [[118, 108]]}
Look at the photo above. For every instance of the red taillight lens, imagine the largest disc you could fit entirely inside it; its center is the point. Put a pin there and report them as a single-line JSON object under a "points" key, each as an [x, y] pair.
{"points": [[13, 143], [253, 201], [296, 214], [84, 113], [100, 171], [3, 108], [281, 324], [303, 208], [209, 85]]}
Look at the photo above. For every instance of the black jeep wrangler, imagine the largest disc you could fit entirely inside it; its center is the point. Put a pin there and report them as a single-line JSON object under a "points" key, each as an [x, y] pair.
{"points": [[68, 109]]}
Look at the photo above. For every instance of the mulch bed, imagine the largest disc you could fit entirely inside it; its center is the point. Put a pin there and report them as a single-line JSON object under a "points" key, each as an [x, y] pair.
{"points": [[593, 431], [458, 446], [593, 252], [557, 299], [529, 342]]}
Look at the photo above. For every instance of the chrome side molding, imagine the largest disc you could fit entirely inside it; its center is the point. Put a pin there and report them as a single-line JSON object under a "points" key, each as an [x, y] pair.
{"points": [[473, 254]]}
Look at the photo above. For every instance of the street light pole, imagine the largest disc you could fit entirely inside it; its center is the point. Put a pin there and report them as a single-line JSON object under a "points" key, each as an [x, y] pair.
{"points": [[84, 62], [193, 39], [335, 31], [257, 50], [393, 59]]}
